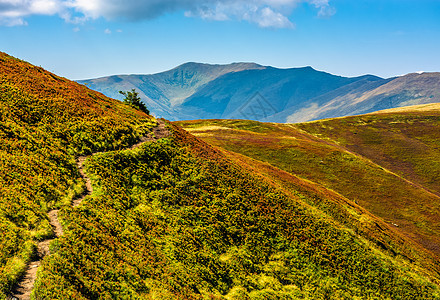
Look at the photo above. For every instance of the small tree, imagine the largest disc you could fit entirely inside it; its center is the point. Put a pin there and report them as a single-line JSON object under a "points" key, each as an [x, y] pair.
{"points": [[132, 98]]}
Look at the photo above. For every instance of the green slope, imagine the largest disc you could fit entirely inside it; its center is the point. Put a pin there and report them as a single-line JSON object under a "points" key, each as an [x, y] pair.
{"points": [[175, 218], [45, 121], [386, 163], [407, 143]]}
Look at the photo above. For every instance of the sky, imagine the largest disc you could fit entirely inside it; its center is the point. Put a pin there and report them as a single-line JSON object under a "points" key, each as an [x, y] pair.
{"points": [[82, 39]]}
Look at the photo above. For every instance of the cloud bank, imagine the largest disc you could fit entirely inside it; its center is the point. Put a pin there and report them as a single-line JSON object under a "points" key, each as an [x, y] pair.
{"points": [[12, 12], [264, 13]]}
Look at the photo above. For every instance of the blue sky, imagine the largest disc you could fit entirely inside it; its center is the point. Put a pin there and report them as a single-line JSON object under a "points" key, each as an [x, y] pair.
{"points": [[82, 39]]}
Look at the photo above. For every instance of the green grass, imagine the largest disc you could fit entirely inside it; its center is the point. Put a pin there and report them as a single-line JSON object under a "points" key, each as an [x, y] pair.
{"points": [[177, 220], [45, 121], [355, 169], [406, 143]]}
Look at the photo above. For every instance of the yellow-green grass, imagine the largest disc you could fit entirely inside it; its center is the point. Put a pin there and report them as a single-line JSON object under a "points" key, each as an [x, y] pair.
{"points": [[410, 208], [45, 121], [354, 218], [407, 143], [430, 107], [176, 219]]}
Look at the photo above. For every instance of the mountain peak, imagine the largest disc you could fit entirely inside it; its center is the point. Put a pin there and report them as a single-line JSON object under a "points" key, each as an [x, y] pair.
{"points": [[235, 64], [202, 90], [217, 69]]}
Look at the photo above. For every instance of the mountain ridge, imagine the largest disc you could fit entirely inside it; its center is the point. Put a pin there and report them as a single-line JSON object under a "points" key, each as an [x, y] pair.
{"points": [[164, 90], [264, 93]]}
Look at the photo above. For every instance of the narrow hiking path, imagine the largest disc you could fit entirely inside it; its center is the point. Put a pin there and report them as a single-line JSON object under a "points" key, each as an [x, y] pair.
{"points": [[23, 289]]}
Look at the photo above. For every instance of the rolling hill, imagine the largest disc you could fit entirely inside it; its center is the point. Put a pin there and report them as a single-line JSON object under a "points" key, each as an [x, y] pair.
{"points": [[149, 211], [386, 162], [254, 92]]}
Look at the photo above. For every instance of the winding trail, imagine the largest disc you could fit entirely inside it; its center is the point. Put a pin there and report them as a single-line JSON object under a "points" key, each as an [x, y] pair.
{"points": [[22, 290]]}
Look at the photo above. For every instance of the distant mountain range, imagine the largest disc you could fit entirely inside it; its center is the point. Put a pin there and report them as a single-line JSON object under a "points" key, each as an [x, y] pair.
{"points": [[254, 92]]}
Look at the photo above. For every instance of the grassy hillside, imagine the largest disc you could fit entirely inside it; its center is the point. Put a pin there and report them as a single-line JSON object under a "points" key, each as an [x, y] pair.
{"points": [[406, 143], [176, 219], [45, 121], [373, 161], [430, 107]]}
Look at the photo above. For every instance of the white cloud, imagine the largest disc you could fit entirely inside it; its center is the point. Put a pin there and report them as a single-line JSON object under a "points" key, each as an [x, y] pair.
{"points": [[325, 10], [44, 7], [264, 13], [13, 12], [107, 31], [253, 12], [269, 18], [7, 21], [29, 7]]}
